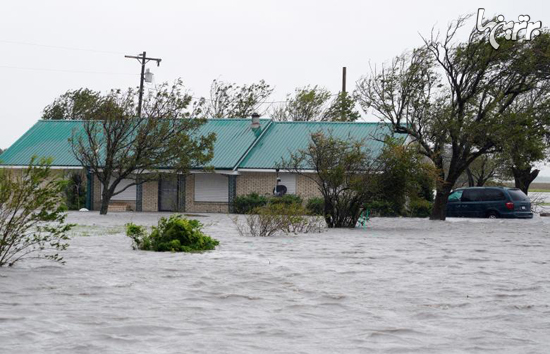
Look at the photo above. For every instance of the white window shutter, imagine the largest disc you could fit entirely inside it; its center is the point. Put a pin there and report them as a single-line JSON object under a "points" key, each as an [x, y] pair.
{"points": [[128, 194], [289, 181], [210, 187]]}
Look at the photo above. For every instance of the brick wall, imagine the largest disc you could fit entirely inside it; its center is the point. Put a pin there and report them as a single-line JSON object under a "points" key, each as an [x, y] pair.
{"points": [[256, 182], [264, 182], [200, 207], [150, 196]]}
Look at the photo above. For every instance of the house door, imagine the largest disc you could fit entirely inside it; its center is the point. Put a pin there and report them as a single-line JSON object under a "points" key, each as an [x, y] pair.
{"points": [[168, 193]]}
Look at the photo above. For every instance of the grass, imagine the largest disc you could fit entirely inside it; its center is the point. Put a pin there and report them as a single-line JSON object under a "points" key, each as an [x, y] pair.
{"points": [[539, 190], [544, 204]]}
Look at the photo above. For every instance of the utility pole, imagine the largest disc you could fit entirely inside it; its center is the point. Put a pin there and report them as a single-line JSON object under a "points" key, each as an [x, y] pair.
{"points": [[142, 60], [344, 80]]}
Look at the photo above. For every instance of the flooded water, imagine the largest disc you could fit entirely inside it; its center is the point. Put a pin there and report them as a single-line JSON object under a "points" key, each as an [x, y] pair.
{"points": [[400, 286]]}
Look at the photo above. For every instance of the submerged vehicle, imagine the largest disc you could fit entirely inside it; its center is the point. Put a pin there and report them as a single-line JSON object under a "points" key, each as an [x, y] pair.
{"points": [[489, 202]]}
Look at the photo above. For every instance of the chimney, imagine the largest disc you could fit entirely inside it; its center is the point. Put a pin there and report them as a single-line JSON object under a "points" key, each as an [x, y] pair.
{"points": [[255, 121]]}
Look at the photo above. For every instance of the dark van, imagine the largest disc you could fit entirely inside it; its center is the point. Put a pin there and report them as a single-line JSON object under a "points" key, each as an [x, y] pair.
{"points": [[489, 202]]}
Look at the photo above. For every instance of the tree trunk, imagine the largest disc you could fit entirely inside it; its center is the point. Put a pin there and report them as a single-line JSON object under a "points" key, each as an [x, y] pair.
{"points": [[524, 177], [439, 209], [105, 199], [471, 182]]}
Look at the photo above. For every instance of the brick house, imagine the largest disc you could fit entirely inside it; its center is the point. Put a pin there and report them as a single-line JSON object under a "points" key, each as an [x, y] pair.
{"points": [[246, 154]]}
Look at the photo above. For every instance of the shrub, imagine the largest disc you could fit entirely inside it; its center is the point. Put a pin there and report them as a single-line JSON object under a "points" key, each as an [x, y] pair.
{"points": [[32, 218], [245, 203], [287, 199], [175, 234], [381, 208], [420, 208], [316, 206], [279, 218]]}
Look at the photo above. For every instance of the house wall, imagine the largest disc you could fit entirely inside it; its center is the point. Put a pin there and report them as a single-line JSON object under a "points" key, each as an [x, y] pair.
{"points": [[264, 182], [200, 207], [246, 183]]}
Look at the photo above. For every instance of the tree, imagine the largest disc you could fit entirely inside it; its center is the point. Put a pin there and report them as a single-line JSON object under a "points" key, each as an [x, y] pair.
{"points": [[228, 100], [462, 112], [403, 176], [72, 105], [308, 104], [343, 170], [32, 218], [526, 141], [121, 146], [483, 170], [342, 109]]}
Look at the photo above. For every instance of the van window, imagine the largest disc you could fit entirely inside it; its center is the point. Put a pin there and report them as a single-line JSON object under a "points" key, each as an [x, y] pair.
{"points": [[455, 196], [517, 195], [472, 195], [493, 195]]}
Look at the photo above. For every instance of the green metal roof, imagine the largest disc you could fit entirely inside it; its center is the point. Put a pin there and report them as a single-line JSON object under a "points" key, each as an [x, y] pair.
{"points": [[50, 138], [285, 137], [236, 143], [44, 139]]}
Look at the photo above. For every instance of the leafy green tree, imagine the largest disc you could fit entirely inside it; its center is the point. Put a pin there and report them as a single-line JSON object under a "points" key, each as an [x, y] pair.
{"points": [[342, 109], [229, 100], [525, 142], [115, 145], [343, 173], [32, 218], [307, 104], [452, 95], [404, 175], [72, 105]]}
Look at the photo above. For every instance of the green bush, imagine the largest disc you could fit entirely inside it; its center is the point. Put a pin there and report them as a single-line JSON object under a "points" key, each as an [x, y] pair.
{"points": [[420, 208], [381, 208], [287, 199], [278, 218], [316, 206], [175, 234], [244, 204]]}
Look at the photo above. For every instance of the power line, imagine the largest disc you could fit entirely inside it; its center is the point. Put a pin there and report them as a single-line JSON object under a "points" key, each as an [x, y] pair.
{"points": [[60, 47], [65, 71]]}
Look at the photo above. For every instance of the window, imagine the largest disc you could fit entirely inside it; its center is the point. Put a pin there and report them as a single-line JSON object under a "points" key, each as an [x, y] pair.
{"points": [[472, 195], [493, 195], [455, 196], [211, 187], [128, 194], [517, 195], [289, 181]]}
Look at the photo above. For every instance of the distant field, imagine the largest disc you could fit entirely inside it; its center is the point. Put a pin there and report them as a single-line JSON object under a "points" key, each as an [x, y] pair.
{"points": [[538, 190]]}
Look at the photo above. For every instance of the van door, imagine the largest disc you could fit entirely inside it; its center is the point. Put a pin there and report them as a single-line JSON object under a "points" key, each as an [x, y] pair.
{"points": [[453, 203], [471, 202]]}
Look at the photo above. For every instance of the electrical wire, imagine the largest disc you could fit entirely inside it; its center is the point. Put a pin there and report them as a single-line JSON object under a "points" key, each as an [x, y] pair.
{"points": [[61, 47], [65, 71]]}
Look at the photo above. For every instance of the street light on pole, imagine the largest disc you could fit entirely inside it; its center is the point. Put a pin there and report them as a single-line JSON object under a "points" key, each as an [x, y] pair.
{"points": [[147, 76]]}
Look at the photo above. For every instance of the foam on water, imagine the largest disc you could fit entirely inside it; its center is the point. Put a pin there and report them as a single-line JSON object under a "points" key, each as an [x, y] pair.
{"points": [[401, 285]]}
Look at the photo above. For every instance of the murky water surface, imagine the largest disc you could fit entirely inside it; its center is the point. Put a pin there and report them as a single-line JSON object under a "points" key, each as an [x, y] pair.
{"points": [[400, 286]]}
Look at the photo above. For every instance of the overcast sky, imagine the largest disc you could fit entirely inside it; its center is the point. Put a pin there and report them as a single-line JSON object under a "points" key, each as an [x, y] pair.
{"points": [[286, 43]]}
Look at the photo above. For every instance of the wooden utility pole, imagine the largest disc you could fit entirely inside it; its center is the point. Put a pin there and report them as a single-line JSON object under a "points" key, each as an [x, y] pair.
{"points": [[142, 60], [344, 79]]}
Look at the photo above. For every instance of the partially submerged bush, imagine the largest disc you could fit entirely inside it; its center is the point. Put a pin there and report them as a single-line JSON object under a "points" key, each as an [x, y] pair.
{"points": [[286, 199], [279, 218], [244, 204], [420, 208], [175, 234], [32, 218], [316, 206]]}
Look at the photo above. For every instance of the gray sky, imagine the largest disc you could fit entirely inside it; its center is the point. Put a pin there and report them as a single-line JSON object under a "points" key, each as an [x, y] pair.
{"points": [[287, 43]]}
